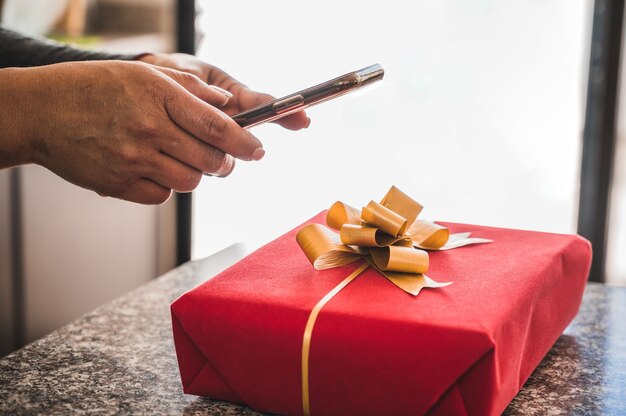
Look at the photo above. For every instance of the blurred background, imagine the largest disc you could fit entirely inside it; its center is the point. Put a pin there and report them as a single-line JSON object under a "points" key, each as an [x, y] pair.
{"points": [[481, 117], [65, 250]]}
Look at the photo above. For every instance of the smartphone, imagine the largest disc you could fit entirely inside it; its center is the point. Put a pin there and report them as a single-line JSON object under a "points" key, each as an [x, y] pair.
{"points": [[291, 103]]}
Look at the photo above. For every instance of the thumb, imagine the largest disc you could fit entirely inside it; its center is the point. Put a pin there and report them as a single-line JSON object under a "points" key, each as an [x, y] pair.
{"points": [[210, 94]]}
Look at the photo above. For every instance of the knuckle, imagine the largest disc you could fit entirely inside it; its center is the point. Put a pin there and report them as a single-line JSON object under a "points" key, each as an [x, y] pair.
{"points": [[214, 125], [169, 142], [130, 154], [145, 128], [187, 76], [154, 90]]}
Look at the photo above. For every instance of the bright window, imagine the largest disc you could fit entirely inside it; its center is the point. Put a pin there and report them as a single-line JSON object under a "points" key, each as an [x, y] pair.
{"points": [[479, 117]]}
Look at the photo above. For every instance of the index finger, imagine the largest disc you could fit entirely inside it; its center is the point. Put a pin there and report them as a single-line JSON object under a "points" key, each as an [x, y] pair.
{"points": [[295, 121], [212, 126]]}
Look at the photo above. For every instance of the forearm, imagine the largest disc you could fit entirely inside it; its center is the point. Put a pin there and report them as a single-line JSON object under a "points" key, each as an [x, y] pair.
{"points": [[15, 143], [17, 50]]}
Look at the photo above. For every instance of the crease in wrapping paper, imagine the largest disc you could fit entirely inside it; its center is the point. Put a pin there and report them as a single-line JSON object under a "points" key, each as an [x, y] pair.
{"points": [[389, 237]]}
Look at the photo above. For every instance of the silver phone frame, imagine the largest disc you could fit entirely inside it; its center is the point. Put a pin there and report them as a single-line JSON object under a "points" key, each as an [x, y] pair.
{"points": [[300, 100]]}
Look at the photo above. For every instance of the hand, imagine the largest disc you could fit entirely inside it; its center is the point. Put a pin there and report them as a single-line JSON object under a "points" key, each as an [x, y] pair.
{"points": [[122, 129], [243, 97]]}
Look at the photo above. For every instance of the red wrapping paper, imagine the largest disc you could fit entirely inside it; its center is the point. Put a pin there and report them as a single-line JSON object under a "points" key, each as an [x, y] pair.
{"points": [[464, 349]]}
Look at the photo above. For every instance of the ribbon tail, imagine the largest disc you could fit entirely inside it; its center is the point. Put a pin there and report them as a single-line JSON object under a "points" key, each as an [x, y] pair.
{"points": [[411, 283], [463, 239]]}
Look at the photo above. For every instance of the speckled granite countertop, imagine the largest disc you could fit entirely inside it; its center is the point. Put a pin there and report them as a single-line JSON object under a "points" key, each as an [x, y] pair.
{"points": [[120, 359]]}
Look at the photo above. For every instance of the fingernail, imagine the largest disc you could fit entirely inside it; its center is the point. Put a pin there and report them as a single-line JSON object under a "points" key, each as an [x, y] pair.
{"points": [[227, 166], [308, 123], [228, 94], [258, 154]]}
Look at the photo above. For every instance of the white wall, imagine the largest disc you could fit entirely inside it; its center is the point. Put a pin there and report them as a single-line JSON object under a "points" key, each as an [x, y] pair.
{"points": [[80, 250]]}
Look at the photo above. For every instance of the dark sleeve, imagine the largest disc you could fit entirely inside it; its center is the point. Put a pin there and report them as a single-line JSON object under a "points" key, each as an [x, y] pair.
{"points": [[17, 50]]}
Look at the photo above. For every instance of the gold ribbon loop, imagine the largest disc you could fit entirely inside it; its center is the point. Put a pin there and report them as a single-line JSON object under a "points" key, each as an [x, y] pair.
{"points": [[384, 218], [323, 248], [379, 236], [428, 235], [365, 236], [340, 214], [400, 259], [402, 204], [400, 207]]}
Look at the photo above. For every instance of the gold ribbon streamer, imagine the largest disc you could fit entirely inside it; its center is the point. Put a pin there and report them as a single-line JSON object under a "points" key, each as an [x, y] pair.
{"points": [[308, 331]]}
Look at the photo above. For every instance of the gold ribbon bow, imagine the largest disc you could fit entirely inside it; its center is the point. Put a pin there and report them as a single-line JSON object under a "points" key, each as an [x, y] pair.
{"points": [[385, 234], [388, 236]]}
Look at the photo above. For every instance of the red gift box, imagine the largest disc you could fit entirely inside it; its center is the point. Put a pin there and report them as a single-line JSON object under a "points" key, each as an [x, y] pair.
{"points": [[464, 349]]}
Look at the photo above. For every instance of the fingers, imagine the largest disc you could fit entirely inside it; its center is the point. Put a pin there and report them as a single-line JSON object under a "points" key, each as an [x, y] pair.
{"points": [[172, 174], [211, 94], [168, 174], [207, 159], [212, 126], [295, 121], [244, 99], [180, 145], [146, 191]]}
